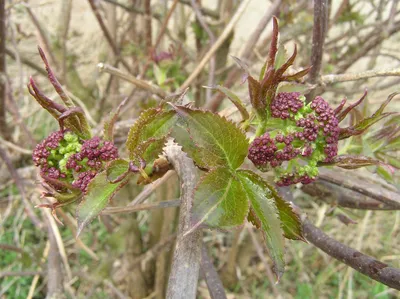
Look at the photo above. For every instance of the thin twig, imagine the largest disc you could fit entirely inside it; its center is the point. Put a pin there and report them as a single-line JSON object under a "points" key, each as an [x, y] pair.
{"points": [[261, 255], [224, 35], [148, 190], [164, 25], [247, 53], [107, 34], [20, 185], [4, 129], [383, 195], [211, 36], [55, 276], [20, 273], [345, 198], [185, 267], [360, 262], [26, 61], [142, 207], [137, 82], [330, 79]]}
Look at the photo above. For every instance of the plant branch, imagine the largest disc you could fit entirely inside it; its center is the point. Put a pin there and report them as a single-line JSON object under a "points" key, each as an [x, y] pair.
{"points": [[137, 82], [107, 34], [218, 43], [362, 186], [185, 267], [245, 55], [330, 79], [345, 198], [214, 284], [211, 36], [360, 262], [142, 207], [4, 130], [317, 51]]}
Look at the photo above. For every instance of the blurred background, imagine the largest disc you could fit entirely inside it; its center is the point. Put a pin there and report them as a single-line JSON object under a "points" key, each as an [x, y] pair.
{"points": [[127, 255]]}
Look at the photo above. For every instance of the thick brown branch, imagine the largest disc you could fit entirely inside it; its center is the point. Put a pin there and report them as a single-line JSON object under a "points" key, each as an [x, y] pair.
{"points": [[360, 262], [319, 32]]}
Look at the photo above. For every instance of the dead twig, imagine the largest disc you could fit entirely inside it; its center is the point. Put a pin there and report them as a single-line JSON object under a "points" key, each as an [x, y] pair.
{"points": [[224, 35], [137, 82], [142, 207]]}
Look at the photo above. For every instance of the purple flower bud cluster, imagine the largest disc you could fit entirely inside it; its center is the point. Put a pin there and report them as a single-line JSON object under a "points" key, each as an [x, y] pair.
{"points": [[286, 104], [84, 179], [294, 178], [310, 132], [264, 150], [42, 150], [328, 124], [63, 156], [90, 160], [42, 157], [92, 155]]}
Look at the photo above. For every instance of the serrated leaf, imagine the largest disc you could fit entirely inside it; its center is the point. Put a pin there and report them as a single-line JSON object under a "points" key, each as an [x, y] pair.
{"points": [[219, 200], [100, 192], [117, 170], [266, 212], [152, 125], [214, 142], [291, 223]]}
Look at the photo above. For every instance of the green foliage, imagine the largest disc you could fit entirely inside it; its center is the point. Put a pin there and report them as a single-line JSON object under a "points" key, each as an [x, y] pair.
{"points": [[100, 192], [214, 141], [117, 170], [219, 200], [266, 212], [152, 125]]}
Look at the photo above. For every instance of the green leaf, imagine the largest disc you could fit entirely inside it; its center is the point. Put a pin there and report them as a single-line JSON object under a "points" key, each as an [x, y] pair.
{"points": [[291, 222], [264, 208], [100, 192], [234, 99], [152, 125], [117, 170], [214, 141], [219, 200]]}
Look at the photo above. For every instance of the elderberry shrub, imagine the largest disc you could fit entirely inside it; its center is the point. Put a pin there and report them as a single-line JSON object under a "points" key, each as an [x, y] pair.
{"points": [[65, 157], [300, 135]]}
